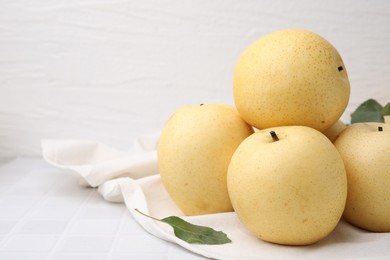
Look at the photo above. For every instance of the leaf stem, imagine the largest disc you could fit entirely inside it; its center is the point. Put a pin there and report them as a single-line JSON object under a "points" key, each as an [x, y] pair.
{"points": [[140, 212]]}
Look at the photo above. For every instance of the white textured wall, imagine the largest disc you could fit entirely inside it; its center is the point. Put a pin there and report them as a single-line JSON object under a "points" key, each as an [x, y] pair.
{"points": [[110, 70]]}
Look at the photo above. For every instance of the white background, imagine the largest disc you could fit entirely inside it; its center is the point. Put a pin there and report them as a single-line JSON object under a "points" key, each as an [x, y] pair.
{"points": [[110, 70]]}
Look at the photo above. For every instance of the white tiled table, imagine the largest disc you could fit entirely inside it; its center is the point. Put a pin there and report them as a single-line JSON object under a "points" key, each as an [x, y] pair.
{"points": [[46, 214]]}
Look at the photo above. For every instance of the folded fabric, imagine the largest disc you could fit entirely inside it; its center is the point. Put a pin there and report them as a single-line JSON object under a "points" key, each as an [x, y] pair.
{"points": [[132, 178], [97, 163]]}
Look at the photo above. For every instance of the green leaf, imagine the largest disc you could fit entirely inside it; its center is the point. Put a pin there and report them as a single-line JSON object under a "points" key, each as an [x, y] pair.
{"points": [[196, 234], [193, 234], [368, 111], [386, 110]]}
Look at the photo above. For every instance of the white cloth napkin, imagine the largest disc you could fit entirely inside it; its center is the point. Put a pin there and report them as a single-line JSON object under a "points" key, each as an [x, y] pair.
{"points": [[132, 178]]}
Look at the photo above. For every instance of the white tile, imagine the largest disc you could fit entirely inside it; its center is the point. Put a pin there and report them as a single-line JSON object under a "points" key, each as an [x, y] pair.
{"points": [[53, 218], [22, 256], [59, 212], [102, 209], [29, 189], [95, 197], [73, 194], [94, 226], [135, 245], [4, 190], [33, 243], [14, 212], [131, 227], [178, 253], [78, 256], [145, 256], [11, 177], [96, 244], [42, 227], [63, 200], [6, 226], [26, 200]]}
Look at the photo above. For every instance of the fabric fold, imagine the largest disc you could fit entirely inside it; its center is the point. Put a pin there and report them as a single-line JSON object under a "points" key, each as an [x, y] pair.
{"points": [[132, 178], [97, 163]]}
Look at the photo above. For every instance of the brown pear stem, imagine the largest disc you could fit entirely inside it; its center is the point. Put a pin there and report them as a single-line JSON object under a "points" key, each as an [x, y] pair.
{"points": [[274, 136], [380, 129]]}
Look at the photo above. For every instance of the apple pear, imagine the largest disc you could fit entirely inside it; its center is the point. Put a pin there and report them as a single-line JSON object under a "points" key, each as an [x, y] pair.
{"points": [[365, 149], [291, 77], [194, 152], [335, 130], [288, 185]]}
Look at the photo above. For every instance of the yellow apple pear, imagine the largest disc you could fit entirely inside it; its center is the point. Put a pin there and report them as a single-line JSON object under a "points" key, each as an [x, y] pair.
{"points": [[288, 185], [291, 77], [365, 149], [335, 130], [194, 151]]}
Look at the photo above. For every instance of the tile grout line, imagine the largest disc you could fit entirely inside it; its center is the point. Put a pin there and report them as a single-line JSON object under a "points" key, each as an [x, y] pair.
{"points": [[69, 224], [25, 216], [120, 227]]}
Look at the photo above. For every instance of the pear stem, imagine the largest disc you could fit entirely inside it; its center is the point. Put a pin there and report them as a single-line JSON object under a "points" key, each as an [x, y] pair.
{"points": [[380, 129], [274, 136]]}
